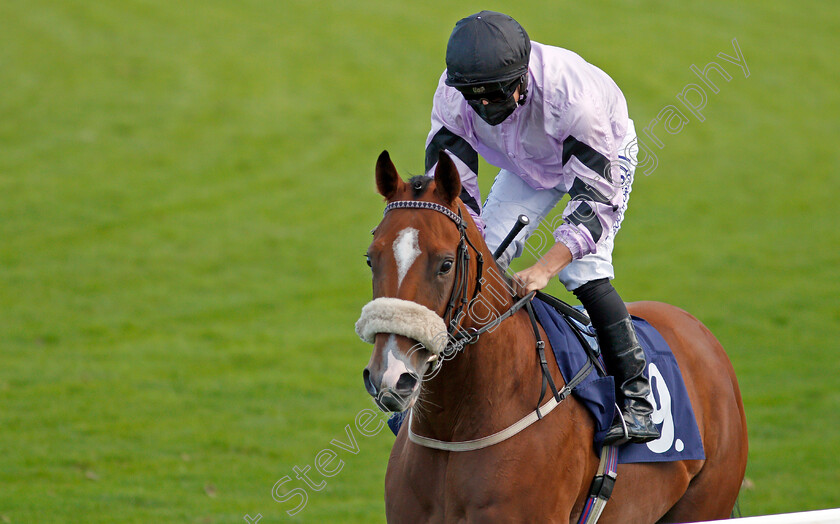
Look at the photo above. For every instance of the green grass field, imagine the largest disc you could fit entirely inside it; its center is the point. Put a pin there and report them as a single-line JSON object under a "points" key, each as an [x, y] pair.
{"points": [[186, 193]]}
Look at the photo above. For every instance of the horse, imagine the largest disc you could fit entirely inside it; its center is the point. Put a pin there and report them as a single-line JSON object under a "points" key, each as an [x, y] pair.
{"points": [[432, 271]]}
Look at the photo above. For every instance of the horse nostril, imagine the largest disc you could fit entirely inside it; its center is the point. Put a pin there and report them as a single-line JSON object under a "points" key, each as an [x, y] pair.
{"points": [[406, 383], [368, 385]]}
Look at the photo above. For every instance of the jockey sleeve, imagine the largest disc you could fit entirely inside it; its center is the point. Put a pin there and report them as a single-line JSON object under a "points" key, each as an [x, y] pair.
{"points": [[462, 153], [566, 136]]}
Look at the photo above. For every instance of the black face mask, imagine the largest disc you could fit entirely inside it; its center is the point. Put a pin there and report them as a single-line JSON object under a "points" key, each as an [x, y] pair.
{"points": [[494, 113]]}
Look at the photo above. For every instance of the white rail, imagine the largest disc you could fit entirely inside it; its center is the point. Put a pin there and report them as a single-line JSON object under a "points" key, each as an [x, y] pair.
{"points": [[826, 516]]}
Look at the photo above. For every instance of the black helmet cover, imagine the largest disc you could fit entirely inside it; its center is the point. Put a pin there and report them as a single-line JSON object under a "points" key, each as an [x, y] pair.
{"points": [[486, 48]]}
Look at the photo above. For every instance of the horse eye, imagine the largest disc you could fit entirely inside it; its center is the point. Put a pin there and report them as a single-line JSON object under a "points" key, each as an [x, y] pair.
{"points": [[445, 267], [367, 259]]}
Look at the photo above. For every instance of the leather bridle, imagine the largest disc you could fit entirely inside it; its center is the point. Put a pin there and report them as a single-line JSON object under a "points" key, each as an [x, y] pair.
{"points": [[458, 338], [458, 301], [459, 297]]}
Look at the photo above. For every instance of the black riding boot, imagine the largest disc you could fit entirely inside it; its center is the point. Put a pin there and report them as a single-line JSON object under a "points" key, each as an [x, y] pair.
{"points": [[625, 359]]}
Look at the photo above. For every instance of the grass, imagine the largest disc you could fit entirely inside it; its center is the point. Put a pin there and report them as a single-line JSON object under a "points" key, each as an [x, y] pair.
{"points": [[186, 192]]}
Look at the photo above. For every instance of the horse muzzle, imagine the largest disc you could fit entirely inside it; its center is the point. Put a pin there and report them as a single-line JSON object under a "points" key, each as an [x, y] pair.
{"points": [[400, 397], [407, 338], [393, 375]]}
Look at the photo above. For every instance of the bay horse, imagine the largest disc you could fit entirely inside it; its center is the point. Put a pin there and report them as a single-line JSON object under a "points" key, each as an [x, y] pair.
{"points": [[429, 271]]}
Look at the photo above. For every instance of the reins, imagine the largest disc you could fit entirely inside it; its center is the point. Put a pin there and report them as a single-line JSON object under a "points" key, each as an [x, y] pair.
{"points": [[458, 338]]}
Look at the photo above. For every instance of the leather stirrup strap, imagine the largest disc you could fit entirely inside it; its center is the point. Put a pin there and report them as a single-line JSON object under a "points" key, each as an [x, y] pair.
{"points": [[602, 486], [561, 306]]}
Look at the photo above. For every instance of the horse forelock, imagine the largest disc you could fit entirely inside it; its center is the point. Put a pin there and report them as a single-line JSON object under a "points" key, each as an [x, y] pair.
{"points": [[423, 232], [419, 185]]}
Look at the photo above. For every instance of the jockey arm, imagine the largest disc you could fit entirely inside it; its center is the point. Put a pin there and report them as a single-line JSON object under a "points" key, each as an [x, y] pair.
{"points": [[593, 180], [540, 274], [590, 176], [590, 165], [447, 134]]}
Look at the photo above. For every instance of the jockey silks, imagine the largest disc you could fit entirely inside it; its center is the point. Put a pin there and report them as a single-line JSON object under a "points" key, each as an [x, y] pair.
{"points": [[566, 137]]}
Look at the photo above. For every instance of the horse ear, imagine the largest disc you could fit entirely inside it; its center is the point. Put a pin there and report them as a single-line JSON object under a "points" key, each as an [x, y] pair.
{"points": [[388, 181], [447, 179]]}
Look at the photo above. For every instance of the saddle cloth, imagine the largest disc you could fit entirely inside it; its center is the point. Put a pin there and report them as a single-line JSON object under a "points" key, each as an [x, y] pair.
{"points": [[673, 414]]}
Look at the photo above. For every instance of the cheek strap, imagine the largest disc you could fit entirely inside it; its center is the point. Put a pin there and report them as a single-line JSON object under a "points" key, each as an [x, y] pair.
{"points": [[402, 317]]}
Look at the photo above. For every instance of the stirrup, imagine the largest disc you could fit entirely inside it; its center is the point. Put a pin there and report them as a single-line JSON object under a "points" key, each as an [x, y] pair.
{"points": [[622, 440]]}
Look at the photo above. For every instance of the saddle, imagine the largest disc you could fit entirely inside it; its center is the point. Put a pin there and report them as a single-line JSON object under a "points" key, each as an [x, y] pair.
{"points": [[575, 347]]}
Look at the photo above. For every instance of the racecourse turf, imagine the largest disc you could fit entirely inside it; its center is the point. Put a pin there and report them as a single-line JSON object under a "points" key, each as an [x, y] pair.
{"points": [[186, 195]]}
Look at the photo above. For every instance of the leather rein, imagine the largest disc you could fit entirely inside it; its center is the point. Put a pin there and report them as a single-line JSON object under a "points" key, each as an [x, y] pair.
{"points": [[458, 338]]}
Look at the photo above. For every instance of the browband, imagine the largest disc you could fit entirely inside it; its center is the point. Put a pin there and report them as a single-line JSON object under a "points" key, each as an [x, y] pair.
{"points": [[419, 204]]}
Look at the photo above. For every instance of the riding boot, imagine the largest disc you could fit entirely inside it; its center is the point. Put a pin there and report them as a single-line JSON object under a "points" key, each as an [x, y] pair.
{"points": [[625, 359]]}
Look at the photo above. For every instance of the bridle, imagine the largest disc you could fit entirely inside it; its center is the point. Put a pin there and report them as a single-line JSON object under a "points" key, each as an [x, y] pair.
{"points": [[458, 297], [457, 337]]}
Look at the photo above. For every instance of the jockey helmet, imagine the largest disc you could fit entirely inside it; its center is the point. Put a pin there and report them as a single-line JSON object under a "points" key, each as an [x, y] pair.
{"points": [[486, 52]]}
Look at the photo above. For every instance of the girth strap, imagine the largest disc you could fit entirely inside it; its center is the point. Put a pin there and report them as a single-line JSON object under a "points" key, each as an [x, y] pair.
{"points": [[546, 375]]}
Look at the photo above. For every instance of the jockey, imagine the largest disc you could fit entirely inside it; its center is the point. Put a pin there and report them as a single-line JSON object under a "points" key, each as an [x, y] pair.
{"points": [[555, 125]]}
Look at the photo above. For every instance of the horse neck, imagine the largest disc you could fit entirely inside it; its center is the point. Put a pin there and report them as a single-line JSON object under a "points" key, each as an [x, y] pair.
{"points": [[496, 295], [496, 377]]}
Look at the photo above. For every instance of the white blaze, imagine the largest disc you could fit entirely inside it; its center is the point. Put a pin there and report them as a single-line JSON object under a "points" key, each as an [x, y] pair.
{"points": [[406, 251], [394, 365]]}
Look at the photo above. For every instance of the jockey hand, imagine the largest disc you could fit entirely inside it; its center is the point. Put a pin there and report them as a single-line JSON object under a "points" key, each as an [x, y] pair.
{"points": [[540, 274]]}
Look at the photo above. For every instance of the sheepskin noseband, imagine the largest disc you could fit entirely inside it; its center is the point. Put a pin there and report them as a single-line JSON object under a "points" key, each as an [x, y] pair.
{"points": [[402, 317]]}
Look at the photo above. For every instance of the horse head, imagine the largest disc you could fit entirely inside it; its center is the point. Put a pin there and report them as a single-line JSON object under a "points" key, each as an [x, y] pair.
{"points": [[421, 271]]}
